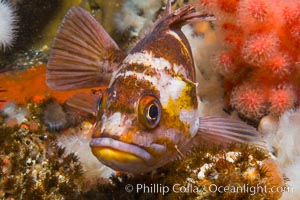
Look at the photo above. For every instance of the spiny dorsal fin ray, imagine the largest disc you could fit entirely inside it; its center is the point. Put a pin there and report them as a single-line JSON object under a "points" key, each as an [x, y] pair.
{"points": [[225, 131], [83, 54], [182, 16]]}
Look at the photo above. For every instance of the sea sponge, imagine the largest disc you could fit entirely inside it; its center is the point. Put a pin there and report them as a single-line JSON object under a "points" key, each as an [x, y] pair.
{"points": [[283, 136], [201, 36], [76, 140], [8, 25], [135, 16], [15, 113]]}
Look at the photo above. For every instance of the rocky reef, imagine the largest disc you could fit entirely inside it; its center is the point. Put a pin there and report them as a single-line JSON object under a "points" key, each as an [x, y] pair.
{"points": [[34, 166]]}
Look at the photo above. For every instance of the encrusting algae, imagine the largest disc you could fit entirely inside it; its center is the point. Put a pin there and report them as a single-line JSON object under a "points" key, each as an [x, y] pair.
{"points": [[30, 84], [37, 162]]}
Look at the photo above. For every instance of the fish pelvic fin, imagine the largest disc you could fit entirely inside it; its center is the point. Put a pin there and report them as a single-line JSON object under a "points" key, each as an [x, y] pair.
{"points": [[83, 54], [224, 131]]}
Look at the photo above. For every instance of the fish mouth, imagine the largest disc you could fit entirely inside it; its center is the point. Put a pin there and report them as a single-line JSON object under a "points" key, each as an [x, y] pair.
{"points": [[119, 155]]}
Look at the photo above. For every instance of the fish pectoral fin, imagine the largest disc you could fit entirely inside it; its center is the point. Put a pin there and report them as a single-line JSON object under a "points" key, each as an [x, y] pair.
{"points": [[83, 54], [223, 131], [85, 102]]}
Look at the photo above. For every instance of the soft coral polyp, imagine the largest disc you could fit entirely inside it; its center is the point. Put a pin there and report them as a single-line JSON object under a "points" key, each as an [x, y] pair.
{"points": [[255, 9], [228, 6], [264, 35], [278, 66], [259, 48], [282, 99], [249, 99]]}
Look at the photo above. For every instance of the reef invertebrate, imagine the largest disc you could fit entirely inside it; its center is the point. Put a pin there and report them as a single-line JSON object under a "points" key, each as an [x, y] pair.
{"points": [[54, 116], [279, 66], [195, 176], [226, 62], [14, 87], [282, 99], [249, 99], [34, 167], [8, 25], [76, 140], [263, 36], [259, 48], [255, 14], [135, 16], [15, 112], [283, 135]]}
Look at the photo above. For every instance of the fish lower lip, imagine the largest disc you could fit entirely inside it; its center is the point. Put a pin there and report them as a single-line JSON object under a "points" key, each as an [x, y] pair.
{"points": [[111, 146]]}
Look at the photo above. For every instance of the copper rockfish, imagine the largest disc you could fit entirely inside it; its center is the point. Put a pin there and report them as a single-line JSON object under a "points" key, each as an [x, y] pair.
{"points": [[149, 113]]}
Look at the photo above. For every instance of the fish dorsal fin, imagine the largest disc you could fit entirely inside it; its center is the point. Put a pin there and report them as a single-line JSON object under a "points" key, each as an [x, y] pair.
{"points": [[223, 131], [83, 54], [168, 8], [181, 17], [85, 102]]}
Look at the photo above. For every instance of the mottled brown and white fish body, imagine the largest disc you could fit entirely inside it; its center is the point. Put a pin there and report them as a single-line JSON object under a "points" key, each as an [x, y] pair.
{"points": [[149, 114]]}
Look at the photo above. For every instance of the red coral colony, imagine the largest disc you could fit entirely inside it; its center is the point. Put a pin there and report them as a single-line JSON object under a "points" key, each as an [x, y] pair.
{"points": [[259, 57]]}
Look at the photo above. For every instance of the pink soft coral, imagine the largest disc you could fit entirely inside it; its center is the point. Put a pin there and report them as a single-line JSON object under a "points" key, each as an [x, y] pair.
{"points": [[259, 53]]}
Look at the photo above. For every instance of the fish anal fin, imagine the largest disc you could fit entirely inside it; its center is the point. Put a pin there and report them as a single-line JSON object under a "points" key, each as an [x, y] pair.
{"points": [[83, 54], [224, 131], [84, 102]]}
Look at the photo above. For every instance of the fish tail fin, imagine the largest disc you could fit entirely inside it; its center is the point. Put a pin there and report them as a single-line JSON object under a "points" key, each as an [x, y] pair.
{"points": [[83, 54], [221, 130]]}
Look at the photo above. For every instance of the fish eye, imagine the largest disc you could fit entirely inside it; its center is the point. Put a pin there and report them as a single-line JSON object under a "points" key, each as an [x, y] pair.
{"points": [[149, 111], [152, 112]]}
